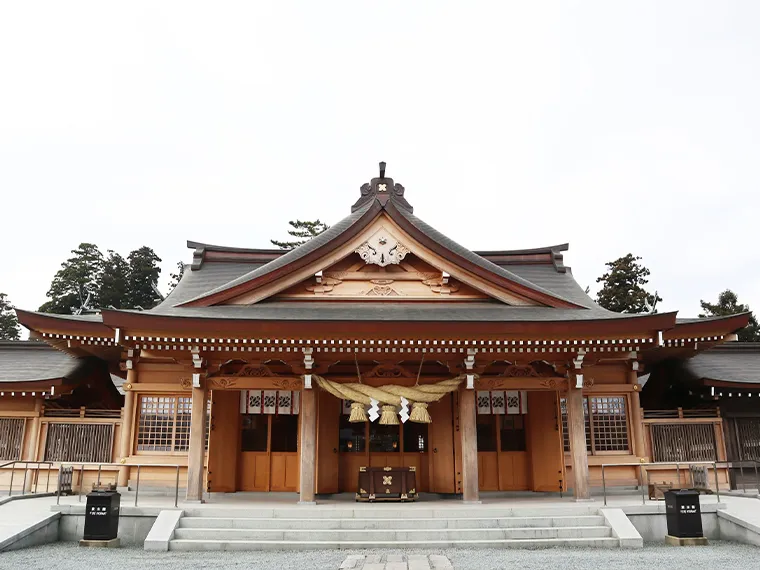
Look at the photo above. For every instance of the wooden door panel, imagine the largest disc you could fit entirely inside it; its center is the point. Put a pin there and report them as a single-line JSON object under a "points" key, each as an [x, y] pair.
{"points": [[420, 462], [488, 471], [441, 463], [349, 470], [224, 443], [328, 425], [284, 474], [544, 442], [513, 471], [254, 471], [385, 459]]}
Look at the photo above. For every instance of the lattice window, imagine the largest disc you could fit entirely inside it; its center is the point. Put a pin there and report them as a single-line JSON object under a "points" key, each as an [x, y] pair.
{"points": [[748, 432], [79, 442], [164, 424], [11, 435], [609, 425], [566, 429], [606, 424]]}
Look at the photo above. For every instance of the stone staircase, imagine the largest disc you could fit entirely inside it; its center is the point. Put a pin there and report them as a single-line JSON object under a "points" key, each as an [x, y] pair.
{"points": [[377, 526]]}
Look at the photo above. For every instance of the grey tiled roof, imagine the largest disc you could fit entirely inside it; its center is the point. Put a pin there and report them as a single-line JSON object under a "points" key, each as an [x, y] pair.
{"points": [[29, 361], [389, 311], [293, 254], [732, 362], [209, 277], [472, 257]]}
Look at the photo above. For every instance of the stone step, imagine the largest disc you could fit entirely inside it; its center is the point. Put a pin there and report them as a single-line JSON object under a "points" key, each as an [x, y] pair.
{"points": [[388, 535], [185, 544], [397, 523], [379, 511]]}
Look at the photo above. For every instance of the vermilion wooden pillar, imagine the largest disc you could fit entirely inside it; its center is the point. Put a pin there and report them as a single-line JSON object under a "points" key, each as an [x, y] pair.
{"points": [[469, 435], [308, 445], [127, 418], [636, 421], [577, 427], [197, 450]]}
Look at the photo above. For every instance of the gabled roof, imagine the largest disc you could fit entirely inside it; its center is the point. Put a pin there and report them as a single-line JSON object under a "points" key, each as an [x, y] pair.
{"points": [[381, 196]]}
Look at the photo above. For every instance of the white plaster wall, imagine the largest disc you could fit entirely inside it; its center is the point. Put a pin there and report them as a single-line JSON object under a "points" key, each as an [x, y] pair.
{"points": [[653, 527], [132, 529]]}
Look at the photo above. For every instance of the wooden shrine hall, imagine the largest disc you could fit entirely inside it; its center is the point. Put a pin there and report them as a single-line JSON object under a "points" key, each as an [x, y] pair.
{"points": [[379, 344]]}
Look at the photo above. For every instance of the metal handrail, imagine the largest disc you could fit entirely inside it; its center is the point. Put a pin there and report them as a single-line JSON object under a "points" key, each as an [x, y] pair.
{"points": [[26, 470], [660, 463], [82, 464], [730, 465]]}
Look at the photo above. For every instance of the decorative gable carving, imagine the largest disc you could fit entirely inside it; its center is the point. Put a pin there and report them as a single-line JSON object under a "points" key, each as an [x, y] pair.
{"points": [[382, 249]]}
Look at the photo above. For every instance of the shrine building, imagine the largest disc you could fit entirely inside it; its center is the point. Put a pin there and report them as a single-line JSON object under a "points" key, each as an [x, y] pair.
{"points": [[379, 343]]}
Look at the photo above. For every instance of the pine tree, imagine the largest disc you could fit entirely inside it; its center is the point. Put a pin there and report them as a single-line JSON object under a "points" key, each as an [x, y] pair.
{"points": [[304, 231], [9, 327], [143, 276], [113, 282], [728, 304], [623, 287], [76, 281], [176, 277]]}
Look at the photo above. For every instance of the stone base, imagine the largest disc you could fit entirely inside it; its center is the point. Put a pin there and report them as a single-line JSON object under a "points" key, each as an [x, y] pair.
{"points": [[675, 541], [113, 543], [307, 502]]}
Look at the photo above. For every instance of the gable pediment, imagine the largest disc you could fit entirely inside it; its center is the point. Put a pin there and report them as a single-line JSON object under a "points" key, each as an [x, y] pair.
{"points": [[381, 263]]}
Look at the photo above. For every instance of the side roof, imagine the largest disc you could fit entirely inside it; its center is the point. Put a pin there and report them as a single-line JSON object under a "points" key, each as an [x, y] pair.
{"points": [[34, 361], [735, 362]]}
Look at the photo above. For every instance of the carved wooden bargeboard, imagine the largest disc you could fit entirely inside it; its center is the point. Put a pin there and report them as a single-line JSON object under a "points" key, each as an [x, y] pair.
{"points": [[387, 484]]}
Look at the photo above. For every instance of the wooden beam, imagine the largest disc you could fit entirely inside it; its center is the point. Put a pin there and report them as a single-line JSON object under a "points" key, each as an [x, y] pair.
{"points": [[469, 435], [195, 455], [308, 445], [577, 427]]}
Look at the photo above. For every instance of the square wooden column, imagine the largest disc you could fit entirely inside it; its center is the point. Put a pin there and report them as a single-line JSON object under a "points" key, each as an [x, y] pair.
{"points": [[308, 446], [469, 434], [197, 451], [577, 427], [637, 420], [127, 419]]}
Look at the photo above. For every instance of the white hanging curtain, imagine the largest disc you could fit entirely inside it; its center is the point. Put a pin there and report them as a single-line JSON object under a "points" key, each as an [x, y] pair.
{"points": [[498, 402], [511, 402], [284, 402], [296, 403], [270, 401], [254, 401], [484, 402]]}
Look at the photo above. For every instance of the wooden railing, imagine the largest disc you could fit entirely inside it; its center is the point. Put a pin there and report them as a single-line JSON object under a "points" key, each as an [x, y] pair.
{"points": [[684, 435]]}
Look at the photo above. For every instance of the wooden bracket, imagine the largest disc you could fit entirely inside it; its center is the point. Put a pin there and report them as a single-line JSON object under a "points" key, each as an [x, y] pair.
{"points": [[308, 362]]}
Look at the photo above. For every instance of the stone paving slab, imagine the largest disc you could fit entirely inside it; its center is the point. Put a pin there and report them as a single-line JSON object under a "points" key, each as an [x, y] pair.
{"points": [[397, 562]]}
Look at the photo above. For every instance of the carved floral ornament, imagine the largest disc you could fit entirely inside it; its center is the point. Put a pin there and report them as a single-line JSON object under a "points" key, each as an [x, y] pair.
{"points": [[382, 249]]}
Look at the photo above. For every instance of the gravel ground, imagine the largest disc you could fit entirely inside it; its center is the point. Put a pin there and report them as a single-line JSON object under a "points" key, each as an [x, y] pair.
{"points": [[63, 556]]}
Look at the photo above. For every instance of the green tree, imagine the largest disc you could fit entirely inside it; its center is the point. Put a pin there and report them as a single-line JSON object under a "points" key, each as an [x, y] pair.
{"points": [[728, 304], [623, 287], [303, 231], [9, 327], [112, 291], [76, 281], [176, 277], [143, 277]]}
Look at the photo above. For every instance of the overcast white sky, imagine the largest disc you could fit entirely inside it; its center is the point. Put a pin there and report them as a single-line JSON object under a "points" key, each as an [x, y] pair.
{"points": [[616, 126]]}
